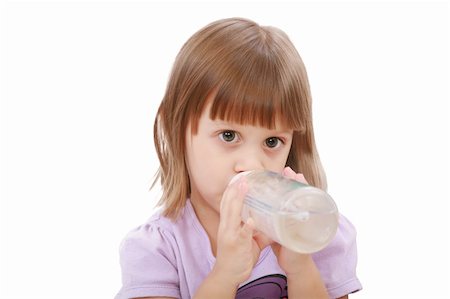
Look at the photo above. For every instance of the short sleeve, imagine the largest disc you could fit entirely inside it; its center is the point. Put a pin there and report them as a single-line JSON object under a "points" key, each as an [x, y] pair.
{"points": [[337, 262], [148, 264]]}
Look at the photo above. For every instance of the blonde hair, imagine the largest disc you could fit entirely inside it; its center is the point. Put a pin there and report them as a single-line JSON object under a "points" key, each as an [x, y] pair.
{"points": [[257, 75]]}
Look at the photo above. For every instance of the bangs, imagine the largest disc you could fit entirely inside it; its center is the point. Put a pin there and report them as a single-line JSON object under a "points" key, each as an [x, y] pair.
{"points": [[259, 89], [257, 105]]}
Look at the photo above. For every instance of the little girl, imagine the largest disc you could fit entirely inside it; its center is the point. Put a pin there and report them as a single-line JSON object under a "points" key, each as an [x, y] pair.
{"points": [[238, 99]]}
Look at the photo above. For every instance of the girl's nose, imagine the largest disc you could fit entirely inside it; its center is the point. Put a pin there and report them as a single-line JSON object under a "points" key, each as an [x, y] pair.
{"points": [[248, 161]]}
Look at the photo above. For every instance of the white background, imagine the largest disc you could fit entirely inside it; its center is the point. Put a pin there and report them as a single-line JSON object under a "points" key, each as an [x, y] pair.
{"points": [[80, 85]]}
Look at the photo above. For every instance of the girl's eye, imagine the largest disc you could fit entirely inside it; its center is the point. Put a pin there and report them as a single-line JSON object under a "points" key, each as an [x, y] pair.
{"points": [[228, 136], [273, 142]]}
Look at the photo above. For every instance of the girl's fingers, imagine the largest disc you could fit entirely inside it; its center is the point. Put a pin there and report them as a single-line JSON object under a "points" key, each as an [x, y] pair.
{"points": [[262, 240], [237, 202], [248, 231], [232, 202], [248, 228], [289, 173], [276, 248], [301, 178]]}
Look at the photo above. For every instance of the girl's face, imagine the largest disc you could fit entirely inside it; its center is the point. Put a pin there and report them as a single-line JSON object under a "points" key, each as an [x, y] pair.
{"points": [[222, 149]]}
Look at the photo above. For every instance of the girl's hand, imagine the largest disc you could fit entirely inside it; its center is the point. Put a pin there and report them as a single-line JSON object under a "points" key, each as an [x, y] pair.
{"points": [[291, 262], [238, 248]]}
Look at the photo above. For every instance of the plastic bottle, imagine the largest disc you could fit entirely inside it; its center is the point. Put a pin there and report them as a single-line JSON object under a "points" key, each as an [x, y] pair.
{"points": [[300, 217]]}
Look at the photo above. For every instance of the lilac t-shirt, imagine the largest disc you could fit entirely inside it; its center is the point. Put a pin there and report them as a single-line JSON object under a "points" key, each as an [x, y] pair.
{"points": [[166, 258]]}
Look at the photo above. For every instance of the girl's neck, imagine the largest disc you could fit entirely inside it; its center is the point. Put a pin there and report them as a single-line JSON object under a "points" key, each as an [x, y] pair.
{"points": [[208, 218]]}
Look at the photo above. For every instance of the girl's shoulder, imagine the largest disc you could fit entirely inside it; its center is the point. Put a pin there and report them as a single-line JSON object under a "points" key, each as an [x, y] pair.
{"points": [[162, 234], [156, 231], [148, 259]]}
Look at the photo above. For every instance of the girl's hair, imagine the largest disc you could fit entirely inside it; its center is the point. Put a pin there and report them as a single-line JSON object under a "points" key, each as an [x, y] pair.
{"points": [[257, 75]]}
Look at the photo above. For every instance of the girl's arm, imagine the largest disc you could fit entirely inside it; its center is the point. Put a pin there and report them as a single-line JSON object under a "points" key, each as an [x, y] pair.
{"points": [[215, 286], [237, 249], [306, 282]]}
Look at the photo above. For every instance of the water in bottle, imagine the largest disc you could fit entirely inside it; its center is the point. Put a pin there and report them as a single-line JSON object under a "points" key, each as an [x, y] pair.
{"points": [[300, 217]]}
